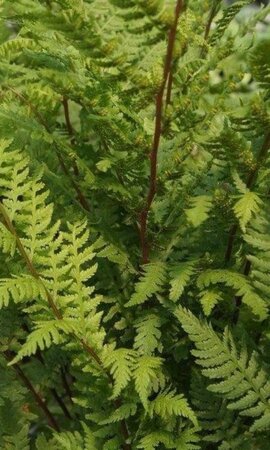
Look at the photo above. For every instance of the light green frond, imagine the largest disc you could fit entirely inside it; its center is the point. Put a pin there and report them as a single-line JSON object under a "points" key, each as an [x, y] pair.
{"points": [[148, 334], [120, 363], [189, 440], [152, 280], [153, 440], [199, 210], [238, 377], [45, 334], [209, 299], [146, 375], [20, 289], [123, 412], [180, 276], [248, 205], [241, 286], [169, 404]]}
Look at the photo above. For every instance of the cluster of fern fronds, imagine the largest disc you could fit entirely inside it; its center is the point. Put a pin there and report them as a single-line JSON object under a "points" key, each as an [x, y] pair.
{"points": [[134, 225]]}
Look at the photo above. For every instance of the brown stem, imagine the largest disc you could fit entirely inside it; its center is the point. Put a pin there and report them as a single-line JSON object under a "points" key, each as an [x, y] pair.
{"points": [[250, 182], [238, 298], [213, 11], [157, 135], [40, 402], [82, 199], [68, 121], [169, 88], [66, 384], [92, 353], [54, 392], [37, 276], [39, 356], [61, 403], [123, 426], [70, 132], [211, 17], [57, 312], [229, 249]]}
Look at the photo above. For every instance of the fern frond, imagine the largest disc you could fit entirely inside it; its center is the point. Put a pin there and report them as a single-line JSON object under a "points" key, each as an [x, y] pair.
{"points": [[180, 276], [120, 362], [18, 441], [146, 374], [20, 289], [169, 404], [152, 441], [150, 283], [199, 211], [240, 284], [189, 440], [123, 412], [239, 376], [148, 334], [45, 334], [248, 205], [228, 14], [209, 299]]}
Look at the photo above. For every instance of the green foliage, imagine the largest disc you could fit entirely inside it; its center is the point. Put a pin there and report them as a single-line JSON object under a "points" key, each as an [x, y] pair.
{"points": [[148, 334], [180, 276], [150, 283], [248, 204], [120, 363], [134, 201], [242, 287], [147, 376], [244, 382]]}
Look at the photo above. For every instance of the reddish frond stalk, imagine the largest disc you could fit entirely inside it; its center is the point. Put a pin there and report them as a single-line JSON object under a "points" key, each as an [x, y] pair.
{"points": [[68, 121], [213, 12], [70, 132], [66, 384], [157, 135]]}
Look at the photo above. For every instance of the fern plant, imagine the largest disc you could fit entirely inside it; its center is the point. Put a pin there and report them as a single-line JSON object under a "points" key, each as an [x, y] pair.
{"points": [[134, 225]]}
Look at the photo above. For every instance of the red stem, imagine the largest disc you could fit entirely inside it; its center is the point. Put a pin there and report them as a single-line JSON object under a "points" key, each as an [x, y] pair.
{"points": [[66, 384], [70, 132], [157, 135], [68, 121]]}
